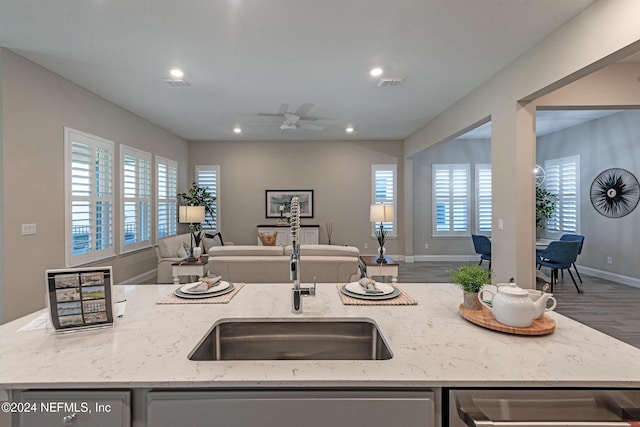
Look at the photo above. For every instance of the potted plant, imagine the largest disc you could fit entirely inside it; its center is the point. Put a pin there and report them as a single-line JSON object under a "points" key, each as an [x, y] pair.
{"points": [[199, 196], [471, 278], [545, 207]]}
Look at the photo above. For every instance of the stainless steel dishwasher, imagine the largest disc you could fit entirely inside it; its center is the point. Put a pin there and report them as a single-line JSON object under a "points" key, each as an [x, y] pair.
{"points": [[544, 407]]}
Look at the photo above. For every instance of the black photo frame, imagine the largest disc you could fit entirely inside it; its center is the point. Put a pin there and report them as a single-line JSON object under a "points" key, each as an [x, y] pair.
{"points": [[278, 203]]}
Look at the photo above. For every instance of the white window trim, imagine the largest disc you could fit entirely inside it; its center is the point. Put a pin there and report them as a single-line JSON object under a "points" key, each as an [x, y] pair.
{"points": [[216, 193], [94, 142], [434, 201], [170, 164], [394, 169], [478, 168], [139, 155]]}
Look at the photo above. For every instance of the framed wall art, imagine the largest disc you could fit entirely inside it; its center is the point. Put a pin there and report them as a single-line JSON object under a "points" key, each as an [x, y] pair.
{"points": [[278, 202]]}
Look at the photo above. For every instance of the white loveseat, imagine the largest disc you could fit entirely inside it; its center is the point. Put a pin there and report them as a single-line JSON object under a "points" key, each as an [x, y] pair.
{"points": [[169, 251], [270, 264]]}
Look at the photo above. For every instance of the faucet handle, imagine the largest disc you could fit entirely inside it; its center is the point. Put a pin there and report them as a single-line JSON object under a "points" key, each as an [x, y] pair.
{"points": [[312, 291]]}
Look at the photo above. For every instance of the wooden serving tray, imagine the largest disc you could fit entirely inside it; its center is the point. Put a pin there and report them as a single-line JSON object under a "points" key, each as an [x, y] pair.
{"points": [[485, 318]]}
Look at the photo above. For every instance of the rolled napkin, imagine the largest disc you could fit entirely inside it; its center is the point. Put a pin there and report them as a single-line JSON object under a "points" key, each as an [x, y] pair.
{"points": [[369, 286], [205, 284]]}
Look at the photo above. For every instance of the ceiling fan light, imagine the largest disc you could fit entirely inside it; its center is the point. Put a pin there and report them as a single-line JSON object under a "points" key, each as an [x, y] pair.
{"points": [[375, 72], [349, 129], [176, 73], [237, 130]]}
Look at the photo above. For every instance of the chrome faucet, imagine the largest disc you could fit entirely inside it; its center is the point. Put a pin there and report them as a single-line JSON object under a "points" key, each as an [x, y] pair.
{"points": [[297, 292]]}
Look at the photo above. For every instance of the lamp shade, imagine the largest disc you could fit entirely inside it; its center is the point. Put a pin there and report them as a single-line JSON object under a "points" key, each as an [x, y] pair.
{"points": [[381, 213], [191, 214]]}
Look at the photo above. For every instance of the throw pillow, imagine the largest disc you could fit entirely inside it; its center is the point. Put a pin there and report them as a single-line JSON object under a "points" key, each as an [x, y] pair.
{"points": [[184, 250]]}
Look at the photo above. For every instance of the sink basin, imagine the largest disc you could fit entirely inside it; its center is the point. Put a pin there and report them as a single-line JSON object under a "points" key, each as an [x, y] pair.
{"points": [[292, 339]]}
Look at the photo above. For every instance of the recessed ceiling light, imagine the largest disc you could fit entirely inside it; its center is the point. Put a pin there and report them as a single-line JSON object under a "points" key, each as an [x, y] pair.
{"points": [[375, 72], [349, 129], [176, 72], [237, 130]]}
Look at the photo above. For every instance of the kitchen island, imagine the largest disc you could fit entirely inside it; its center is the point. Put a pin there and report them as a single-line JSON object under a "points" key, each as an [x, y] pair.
{"points": [[433, 348]]}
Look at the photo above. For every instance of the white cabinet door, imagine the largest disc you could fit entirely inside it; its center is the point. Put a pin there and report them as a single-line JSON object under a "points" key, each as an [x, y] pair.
{"points": [[86, 408], [309, 236], [290, 409]]}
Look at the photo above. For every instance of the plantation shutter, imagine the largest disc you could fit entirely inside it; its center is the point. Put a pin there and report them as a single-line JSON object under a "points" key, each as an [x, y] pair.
{"points": [[208, 176], [135, 199], [384, 192], [483, 198], [563, 179], [167, 201], [451, 199]]}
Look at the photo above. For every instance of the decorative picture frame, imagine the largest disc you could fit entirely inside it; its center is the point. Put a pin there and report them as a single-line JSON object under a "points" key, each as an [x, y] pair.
{"points": [[278, 203], [79, 298]]}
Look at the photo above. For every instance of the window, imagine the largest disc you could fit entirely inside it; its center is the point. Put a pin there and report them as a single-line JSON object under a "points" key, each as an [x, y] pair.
{"points": [[451, 199], [135, 199], [208, 176], [88, 197], [483, 198], [383, 187], [167, 202], [563, 179]]}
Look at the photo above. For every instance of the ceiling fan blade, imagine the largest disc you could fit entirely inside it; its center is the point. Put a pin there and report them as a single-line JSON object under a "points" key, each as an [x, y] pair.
{"points": [[304, 109], [270, 115], [283, 109]]}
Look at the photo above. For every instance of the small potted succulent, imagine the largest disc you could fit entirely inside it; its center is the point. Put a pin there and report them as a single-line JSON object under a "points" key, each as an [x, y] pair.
{"points": [[471, 278]]}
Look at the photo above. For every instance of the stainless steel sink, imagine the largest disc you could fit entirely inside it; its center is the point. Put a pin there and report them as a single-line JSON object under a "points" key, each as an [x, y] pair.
{"points": [[292, 339]]}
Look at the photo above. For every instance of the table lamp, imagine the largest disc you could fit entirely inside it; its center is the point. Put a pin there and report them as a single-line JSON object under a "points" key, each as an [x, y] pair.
{"points": [[192, 215], [381, 214]]}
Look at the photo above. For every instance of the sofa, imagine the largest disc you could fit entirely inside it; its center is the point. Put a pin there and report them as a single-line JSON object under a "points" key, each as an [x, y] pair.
{"points": [[173, 249], [271, 264]]}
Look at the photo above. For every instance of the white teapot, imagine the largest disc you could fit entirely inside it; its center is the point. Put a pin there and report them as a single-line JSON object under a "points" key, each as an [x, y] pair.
{"points": [[512, 305]]}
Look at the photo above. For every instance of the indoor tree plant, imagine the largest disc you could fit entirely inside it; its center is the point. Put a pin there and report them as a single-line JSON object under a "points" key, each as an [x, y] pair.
{"points": [[199, 196], [471, 278], [545, 207]]}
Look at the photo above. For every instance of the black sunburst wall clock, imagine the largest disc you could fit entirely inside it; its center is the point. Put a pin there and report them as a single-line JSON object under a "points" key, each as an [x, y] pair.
{"points": [[615, 193]]}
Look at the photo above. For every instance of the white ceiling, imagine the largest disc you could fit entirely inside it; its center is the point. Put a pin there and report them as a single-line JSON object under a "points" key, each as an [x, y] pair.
{"points": [[246, 57]]}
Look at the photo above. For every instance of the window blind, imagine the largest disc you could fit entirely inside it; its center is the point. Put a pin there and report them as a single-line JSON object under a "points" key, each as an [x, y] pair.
{"points": [[208, 176], [451, 199], [384, 192], [89, 196], [135, 199], [167, 197]]}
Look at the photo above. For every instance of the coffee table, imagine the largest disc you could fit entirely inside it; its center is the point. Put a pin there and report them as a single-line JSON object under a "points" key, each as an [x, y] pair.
{"points": [[188, 268], [373, 267]]}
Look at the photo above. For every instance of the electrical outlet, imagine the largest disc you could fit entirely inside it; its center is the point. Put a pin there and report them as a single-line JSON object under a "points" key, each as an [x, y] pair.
{"points": [[366, 245], [28, 229], [426, 246], [609, 260]]}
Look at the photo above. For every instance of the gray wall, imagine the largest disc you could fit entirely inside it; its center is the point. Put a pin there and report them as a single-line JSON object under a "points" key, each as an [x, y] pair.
{"points": [[339, 172], [36, 105], [470, 151], [610, 142]]}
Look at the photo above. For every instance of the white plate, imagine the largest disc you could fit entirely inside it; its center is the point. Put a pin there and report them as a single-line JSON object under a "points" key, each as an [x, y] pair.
{"points": [[356, 288], [373, 297], [220, 286]]}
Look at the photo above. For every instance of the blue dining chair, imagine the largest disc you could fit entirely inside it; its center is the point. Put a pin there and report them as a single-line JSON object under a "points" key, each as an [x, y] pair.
{"points": [[574, 238], [559, 255], [482, 246]]}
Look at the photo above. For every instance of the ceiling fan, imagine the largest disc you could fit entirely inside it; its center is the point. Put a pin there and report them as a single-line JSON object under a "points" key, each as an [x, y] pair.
{"points": [[295, 120]]}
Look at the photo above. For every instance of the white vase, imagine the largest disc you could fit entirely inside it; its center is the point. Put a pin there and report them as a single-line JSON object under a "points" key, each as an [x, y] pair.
{"points": [[197, 251]]}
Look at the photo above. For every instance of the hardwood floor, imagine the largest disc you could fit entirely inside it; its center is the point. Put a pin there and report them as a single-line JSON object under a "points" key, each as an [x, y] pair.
{"points": [[609, 307]]}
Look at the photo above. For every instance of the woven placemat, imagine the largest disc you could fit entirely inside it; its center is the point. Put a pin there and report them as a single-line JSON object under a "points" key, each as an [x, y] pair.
{"points": [[171, 298], [402, 299]]}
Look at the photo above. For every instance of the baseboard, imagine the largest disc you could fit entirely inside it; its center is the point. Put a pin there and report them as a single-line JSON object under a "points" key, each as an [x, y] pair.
{"points": [[607, 275], [141, 278], [455, 258]]}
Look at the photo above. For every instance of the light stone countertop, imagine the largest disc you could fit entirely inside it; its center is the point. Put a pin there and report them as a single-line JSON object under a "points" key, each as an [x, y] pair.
{"points": [[432, 346]]}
